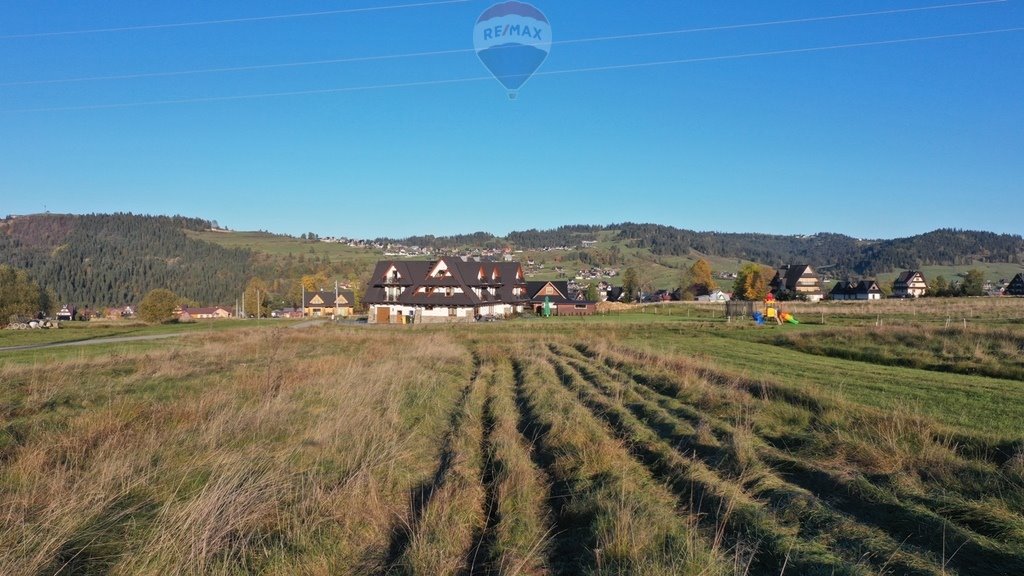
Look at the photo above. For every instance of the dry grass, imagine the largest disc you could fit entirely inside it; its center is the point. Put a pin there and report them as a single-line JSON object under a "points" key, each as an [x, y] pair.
{"points": [[224, 454]]}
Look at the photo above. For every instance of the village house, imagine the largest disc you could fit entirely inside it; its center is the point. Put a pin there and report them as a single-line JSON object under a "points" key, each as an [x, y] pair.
{"points": [[1016, 286], [67, 312], [323, 303], [863, 290], [116, 312], [715, 296], [798, 280], [909, 284], [557, 297], [446, 290], [186, 314]]}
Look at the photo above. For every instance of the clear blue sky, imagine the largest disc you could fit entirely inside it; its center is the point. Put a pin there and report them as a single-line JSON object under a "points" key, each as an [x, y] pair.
{"points": [[879, 141]]}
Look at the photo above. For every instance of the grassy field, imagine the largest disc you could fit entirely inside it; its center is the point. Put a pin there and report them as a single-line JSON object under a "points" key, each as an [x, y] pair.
{"points": [[641, 443], [280, 246], [84, 331]]}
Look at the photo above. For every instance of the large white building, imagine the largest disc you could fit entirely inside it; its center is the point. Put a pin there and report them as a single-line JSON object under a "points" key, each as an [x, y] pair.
{"points": [[445, 290]]}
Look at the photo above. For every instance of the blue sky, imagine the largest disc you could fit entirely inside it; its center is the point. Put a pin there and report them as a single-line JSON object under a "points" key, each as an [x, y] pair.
{"points": [[793, 135]]}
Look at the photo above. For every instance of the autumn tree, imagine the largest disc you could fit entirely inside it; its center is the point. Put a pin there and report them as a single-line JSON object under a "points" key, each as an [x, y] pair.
{"points": [[752, 282], [20, 296], [158, 305], [318, 281], [256, 298], [974, 283], [697, 281], [630, 284]]}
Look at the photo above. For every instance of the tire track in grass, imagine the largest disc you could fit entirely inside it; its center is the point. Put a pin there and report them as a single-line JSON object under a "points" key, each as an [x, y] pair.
{"points": [[566, 547], [412, 538], [518, 527], [617, 517], [480, 557], [740, 519], [805, 512], [905, 517]]}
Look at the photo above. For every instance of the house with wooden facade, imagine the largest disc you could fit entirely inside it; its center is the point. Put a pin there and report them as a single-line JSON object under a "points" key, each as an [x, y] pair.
{"points": [[328, 303], [446, 290], [909, 284], [1016, 286], [555, 294], [187, 314], [863, 290], [797, 280]]}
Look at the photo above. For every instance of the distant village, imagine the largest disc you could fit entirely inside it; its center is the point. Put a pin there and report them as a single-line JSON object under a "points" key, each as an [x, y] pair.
{"points": [[492, 284]]}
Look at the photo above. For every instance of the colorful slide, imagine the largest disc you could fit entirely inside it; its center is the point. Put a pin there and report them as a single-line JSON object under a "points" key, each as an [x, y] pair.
{"points": [[787, 317]]}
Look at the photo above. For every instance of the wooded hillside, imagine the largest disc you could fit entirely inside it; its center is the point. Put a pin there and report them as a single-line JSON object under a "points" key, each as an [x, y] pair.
{"points": [[109, 260]]}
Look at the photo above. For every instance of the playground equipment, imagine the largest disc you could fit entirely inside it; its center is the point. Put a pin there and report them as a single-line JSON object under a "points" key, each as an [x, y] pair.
{"points": [[772, 312]]}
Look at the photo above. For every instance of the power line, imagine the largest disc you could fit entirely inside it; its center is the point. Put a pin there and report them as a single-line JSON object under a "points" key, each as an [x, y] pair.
{"points": [[355, 59], [231, 20], [549, 73]]}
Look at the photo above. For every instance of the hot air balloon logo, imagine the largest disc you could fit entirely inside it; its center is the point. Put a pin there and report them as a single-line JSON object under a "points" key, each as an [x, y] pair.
{"points": [[512, 40]]}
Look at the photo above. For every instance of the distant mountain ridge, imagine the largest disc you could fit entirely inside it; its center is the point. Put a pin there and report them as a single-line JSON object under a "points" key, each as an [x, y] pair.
{"points": [[842, 255], [114, 259]]}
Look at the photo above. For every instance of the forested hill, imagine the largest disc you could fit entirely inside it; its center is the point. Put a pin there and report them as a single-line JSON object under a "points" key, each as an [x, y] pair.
{"points": [[842, 255], [110, 260]]}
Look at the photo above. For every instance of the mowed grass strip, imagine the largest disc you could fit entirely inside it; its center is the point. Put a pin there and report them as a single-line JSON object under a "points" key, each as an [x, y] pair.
{"points": [[764, 545], [614, 518], [450, 509], [896, 471], [733, 454], [255, 452], [521, 519]]}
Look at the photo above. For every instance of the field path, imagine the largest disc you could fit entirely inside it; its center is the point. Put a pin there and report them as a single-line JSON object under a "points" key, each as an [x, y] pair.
{"points": [[141, 338]]}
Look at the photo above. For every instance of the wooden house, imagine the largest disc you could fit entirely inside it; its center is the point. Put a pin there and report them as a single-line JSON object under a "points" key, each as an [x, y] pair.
{"points": [[863, 290], [324, 303], [556, 295], [446, 290], [203, 313], [909, 284], [798, 281], [1016, 286]]}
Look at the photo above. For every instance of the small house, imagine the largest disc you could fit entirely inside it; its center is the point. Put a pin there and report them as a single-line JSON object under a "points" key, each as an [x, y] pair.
{"points": [[67, 312], [323, 303], [1016, 286], [204, 313], [909, 284], [797, 280], [555, 294], [863, 290]]}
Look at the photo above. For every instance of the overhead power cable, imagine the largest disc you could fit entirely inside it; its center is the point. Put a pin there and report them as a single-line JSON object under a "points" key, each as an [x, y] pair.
{"points": [[548, 73], [231, 20], [356, 59]]}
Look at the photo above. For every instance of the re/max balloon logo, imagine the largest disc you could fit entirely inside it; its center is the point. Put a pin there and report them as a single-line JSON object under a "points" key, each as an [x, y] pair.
{"points": [[512, 30], [512, 40]]}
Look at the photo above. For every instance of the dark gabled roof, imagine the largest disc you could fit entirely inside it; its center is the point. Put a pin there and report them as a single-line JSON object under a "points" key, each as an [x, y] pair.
{"points": [[502, 277], [788, 276], [1016, 286], [906, 276], [534, 287], [852, 288]]}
